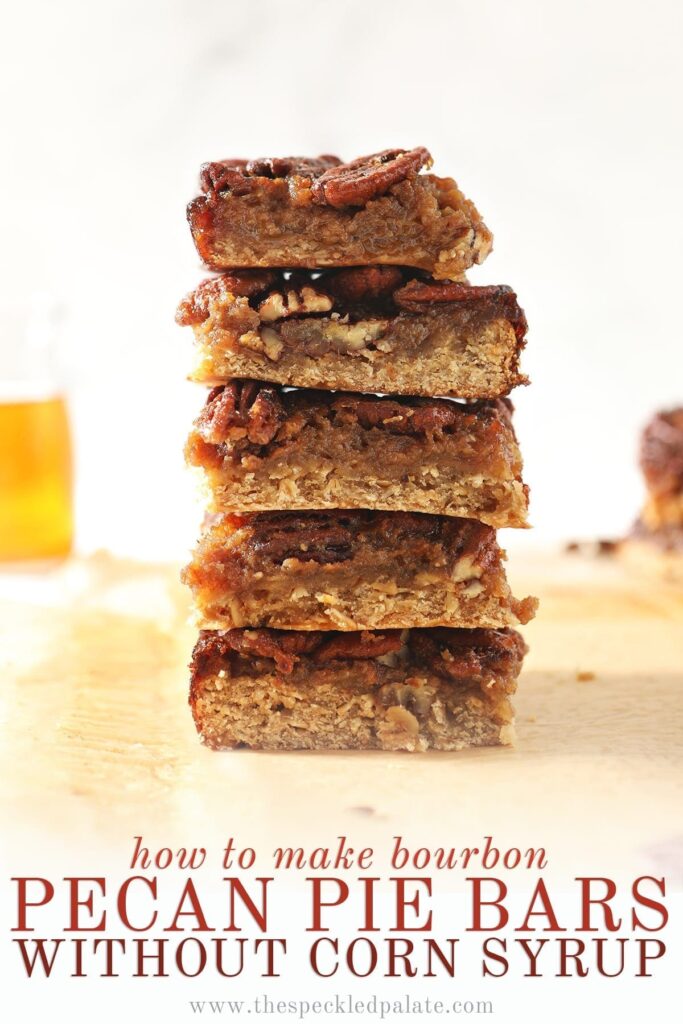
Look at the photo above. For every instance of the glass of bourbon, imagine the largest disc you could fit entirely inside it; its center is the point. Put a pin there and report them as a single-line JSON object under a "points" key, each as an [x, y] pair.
{"points": [[36, 507]]}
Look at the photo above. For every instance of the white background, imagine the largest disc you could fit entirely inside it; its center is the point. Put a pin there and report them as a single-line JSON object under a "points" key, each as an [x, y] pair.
{"points": [[562, 122]]}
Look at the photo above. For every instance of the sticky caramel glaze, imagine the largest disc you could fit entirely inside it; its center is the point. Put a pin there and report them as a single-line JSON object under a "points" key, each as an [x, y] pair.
{"points": [[471, 655]]}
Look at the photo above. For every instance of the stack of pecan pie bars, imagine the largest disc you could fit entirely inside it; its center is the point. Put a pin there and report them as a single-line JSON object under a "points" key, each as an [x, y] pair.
{"points": [[349, 585]]}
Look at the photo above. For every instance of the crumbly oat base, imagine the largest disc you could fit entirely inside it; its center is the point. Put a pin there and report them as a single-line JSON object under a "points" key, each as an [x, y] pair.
{"points": [[411, 691], [360, 329], [351, 571], [264, 449], [301, 212], [487, 369], [329, 486]]}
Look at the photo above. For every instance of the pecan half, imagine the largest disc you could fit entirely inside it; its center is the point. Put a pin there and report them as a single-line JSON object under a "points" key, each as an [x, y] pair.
{"points": [[363, 284], [357, 645], [469, 654], [661, 453], [299, 296], [355, 183], [313, 536], [222, 175], [241, 409], [282, 646], [399, 418], [415, 295], [195, 307]]}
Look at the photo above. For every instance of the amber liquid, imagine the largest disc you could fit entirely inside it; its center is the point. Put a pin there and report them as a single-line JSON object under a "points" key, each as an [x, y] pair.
{"points": [[36, 519]]}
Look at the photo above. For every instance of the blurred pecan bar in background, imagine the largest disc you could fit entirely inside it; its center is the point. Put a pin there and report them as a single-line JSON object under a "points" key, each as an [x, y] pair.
{"points": [[263, 448], [414, 690], [351, 570], [661, 460], [655, 544], [358, 329], [320, 212]]}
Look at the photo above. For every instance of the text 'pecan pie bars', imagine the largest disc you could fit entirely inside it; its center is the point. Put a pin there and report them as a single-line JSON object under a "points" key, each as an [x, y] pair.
{"points": [[349, 585]]}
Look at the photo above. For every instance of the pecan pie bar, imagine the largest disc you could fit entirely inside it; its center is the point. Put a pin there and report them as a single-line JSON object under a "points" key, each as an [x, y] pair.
{"points": [[351, 570], [266, 449], [320, 212], [661, 460], [358, 329], [414, 690]]}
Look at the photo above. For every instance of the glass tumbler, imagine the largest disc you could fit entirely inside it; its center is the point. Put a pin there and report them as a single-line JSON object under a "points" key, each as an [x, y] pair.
{"points": [[36, 509]]}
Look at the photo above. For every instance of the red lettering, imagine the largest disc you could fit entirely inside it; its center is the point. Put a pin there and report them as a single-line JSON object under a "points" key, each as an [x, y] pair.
{"points": [[402, 902], [122, 902], [540, 894], [75, 903], [23, 902], [478, 902], [588, 901], [319, 902], [189, 894], [646, 901]]}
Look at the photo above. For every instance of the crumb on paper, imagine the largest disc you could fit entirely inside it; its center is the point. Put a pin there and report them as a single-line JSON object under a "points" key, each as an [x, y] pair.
{"points": [[585, 677]]}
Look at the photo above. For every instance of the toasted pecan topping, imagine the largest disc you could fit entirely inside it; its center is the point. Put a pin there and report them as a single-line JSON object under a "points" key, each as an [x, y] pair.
{"points": [[285, 647], [282, 646], [368, 644], [195, 307], [370, 292], [661, 453], [332, 182], [257, 412], [296, 297], [415, 295], [290, 166], [355, 183], [316, 536], [336, 536], [241, 409], [225, 176], [430, 418], [234, 175], [458, 654]]}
